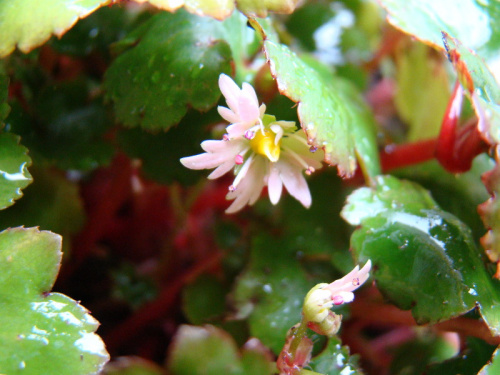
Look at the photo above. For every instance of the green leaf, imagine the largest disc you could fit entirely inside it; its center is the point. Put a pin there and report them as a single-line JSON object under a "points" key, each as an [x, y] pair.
{"points": [[30, 23], [412, 357], [51, 202], [48, 331], [66, 128], [424, 258], [418, 71], [160, 153], [475, 23], [468, 362], [493, 367], [174, 63], [211, 351], [331, 111], [132, 366], [14, 174], [271, 290], [204, 300], [4, 93], [335, 359]]}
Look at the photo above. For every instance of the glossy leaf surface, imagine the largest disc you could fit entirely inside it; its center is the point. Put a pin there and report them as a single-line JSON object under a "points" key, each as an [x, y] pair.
{"points": [[14, 174], [47, 332], [212, 351], [271, 290], [335, 359], [474, 22], [424, 258], [330, 110], [29, 23], [174, 62]]}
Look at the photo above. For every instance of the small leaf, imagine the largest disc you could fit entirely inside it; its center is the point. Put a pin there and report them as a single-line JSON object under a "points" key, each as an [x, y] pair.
{"points": [[211, 351], [48, 331], [174, 63], [335, 359], [331, 111], [14, 174], [424, 258], [476, 23], [30, 23]]}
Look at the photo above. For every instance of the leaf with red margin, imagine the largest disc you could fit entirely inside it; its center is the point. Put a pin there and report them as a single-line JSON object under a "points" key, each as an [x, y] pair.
{"points": [[331, 111]]}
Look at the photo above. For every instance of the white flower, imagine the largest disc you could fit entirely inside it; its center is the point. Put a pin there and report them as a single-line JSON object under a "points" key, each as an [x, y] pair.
{"points": [[324, 296], [262, 151]]}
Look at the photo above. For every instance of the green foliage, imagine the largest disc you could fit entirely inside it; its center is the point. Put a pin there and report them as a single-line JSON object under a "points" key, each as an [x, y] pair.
{"points": [[31, 22], [424, 258], [209, 350], [344, 128], [47, 332], [14, 175], [174, 62], [426, 20], [336, 360]]}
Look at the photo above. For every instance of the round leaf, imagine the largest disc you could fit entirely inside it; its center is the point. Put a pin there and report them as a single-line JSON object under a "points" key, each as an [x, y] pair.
{"points": [[175, 63], [47, 332]]}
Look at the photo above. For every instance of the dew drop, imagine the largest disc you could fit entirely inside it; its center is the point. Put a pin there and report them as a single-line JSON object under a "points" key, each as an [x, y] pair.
{"points": [[313, 149], [249, 134], [310, 170], [232, 188], [225, 137], [355, 281]]}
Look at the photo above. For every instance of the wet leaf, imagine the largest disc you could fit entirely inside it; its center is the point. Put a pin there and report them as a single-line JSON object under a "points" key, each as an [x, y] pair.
{"points": [[14, 174], [174, 62], [475, 23], [30, 23], [335, 359], [212, 351], [468, 362], [424, 258], [271, 290], [331, 111], [47, 332]]}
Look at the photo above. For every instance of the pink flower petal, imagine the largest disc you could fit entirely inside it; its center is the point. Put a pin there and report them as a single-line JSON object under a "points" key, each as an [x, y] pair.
{"points": [[294, 182], [227, 114], [230, 90], [275, 185], [249, 92]]}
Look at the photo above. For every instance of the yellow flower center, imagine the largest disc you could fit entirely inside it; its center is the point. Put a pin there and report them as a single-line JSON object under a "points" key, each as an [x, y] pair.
{"points": [[264, 144]]}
